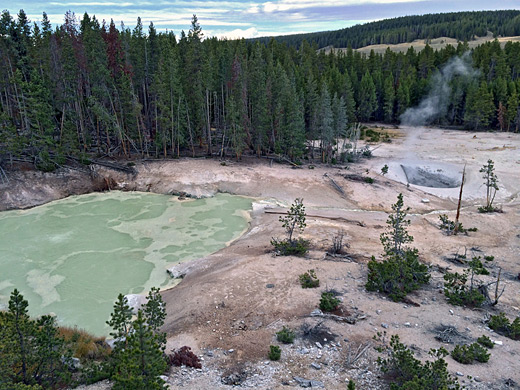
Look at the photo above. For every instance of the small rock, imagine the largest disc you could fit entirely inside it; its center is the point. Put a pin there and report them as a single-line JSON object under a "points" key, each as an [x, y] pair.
{"points": [[318, 344], [302, 381], [407, 324], [317, 384], [164, 378], [425, 200], [477, 379], [384, 325], [460, 373], [269, 285], [209, 353], [451, 312], [316, 366], [304, 351], [231, 350], [497, 342], [378, 311], [316, 313]]}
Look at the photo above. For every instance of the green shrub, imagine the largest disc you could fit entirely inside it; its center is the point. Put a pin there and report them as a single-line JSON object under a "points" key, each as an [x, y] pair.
{"points": [[407, 372], [293, 222], [485, 341], [500, 324], [351, 385], [463, 354], [458, 293], [466, 354], [481, 354], [328, 301], [274, 352], [369, 180], [286, 336], [309, 279], [295, 247], [400, 272], [397, 276]]}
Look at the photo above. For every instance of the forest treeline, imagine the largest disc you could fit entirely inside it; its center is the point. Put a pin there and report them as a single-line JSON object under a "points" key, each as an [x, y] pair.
{"points": [[88, 88], [459, 25]]}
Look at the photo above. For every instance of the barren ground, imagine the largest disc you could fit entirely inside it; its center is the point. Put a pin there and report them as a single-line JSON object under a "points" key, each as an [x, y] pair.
{"points": [[224, 302]]}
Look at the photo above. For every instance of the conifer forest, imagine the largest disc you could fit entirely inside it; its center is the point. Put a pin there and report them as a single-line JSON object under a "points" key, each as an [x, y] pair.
{"points": [[92, 88]]}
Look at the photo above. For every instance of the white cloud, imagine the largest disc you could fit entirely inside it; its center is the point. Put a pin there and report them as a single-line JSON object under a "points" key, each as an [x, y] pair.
{"points": [[289, 5], [238, 34]]}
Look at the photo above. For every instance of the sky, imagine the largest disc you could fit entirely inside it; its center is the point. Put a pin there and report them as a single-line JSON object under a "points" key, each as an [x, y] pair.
{"points": [[248, 18]]}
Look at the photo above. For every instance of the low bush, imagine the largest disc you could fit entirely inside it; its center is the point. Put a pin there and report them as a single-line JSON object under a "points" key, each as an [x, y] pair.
{"points": [[486, 342], [397, 276], [406, 372], [328, 301], [274, 352], [309, 279], [296, 247], [184, 357], [286, 335], [458, 293], [466, 354], [500, 324], [83, 345]]}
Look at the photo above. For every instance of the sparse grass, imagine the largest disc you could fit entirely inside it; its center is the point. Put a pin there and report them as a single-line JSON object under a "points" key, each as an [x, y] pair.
{"points": [[85, 346]]}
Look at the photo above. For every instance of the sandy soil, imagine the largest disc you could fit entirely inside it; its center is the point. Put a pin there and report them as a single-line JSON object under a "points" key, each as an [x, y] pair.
{"points": [[227, 300]]}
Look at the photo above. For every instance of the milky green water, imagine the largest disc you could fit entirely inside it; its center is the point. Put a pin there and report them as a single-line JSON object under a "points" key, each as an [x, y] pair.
{"points": [[74, 256]]}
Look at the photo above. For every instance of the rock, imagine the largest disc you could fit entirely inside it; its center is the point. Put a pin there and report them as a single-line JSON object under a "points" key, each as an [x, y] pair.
{"points": [[269, 285], [231, 350], [317, 384], [477, 379], [407, 324], [460, 373], [316, 313], [176, 272], [497, 342], [304, 351], [384, 325], [136, 301], [318, 344], [302, 381], [316, 366], [425, 200], [209, 353], [378, 311], [451, 312], [164, 378]]}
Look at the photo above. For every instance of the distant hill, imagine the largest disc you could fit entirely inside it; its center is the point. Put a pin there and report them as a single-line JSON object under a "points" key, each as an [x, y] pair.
{"points": [[457, 25]]}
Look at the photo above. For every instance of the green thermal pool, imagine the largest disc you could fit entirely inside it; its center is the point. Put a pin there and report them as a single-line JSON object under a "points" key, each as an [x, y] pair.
{"points": [[74, 256]]}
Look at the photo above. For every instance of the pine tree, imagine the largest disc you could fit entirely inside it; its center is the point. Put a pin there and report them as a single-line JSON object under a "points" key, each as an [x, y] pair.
{"points": [[389, 99], [367, 99]]}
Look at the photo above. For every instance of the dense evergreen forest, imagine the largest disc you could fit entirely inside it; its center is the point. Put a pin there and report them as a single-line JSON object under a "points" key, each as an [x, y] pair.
{"points": [[88, 88], [459, 25]]}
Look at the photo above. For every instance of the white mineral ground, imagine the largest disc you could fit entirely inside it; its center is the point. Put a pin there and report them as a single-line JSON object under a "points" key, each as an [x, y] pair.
{"points": [[223, 302]]}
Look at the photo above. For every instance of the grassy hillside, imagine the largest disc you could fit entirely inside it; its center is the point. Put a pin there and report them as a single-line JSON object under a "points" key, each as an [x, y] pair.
{"points": [[456, 25]]}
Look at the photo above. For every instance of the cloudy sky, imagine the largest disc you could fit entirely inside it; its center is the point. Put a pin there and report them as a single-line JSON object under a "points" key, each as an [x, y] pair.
{"points": [[249, 18]]}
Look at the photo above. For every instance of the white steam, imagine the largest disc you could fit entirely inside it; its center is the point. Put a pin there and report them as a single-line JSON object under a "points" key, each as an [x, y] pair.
{"points": [[435, 105]]}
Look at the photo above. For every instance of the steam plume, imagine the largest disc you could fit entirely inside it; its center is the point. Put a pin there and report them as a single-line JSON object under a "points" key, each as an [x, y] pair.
{"points": [[436, 103]]}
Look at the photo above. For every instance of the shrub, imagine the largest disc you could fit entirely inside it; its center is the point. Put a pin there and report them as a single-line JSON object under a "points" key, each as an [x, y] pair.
{"points": [[397, 276], [400, 272], [184, 357], [463, 354], [481, 354], [491, 183], [500, 324], [466, 354], [328, 301], [458, 293], [486, 342], [274, 352], [369, 180], [296, 247], [83, 345], [351, 385], [309, 279], [286, 336], [407, 372]]}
